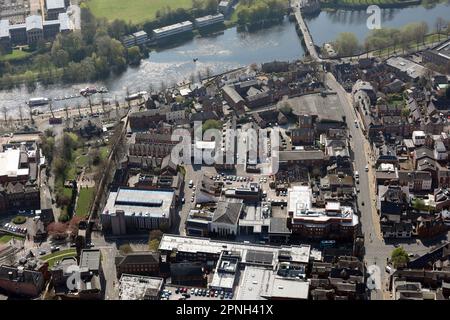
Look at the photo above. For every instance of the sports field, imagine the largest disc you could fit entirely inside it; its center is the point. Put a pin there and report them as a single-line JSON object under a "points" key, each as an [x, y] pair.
{"points": [[136, 11]]}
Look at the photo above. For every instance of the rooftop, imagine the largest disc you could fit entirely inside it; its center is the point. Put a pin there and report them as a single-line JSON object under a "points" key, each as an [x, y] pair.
{"points": [[411, 68], [299, 253], [55, 4], [152, 203], [90, 259], [9, 163], [138, 287]]}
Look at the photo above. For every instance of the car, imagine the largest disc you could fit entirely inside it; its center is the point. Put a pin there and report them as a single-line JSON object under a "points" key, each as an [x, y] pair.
{"points": [[192, 199], [42, 252], [183, 200], [366, 168], [388, 269], [177, 291], [216, 294]]}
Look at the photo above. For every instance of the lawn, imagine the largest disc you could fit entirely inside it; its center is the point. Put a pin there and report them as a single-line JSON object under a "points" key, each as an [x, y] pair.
{"points": [[58, 255], [6, 238], [15, 55], [104, 152], [85, 199], [136, 11]]}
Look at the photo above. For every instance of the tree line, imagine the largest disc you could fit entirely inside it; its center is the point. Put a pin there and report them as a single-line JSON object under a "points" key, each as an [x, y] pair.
{"points": [[347, 44], [253, 13]]}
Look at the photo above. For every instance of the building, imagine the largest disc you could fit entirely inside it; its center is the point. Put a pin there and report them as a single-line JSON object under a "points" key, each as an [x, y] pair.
{"points": [[133, 287], [234, 99], [33, 29], [140, 37], [406, 70], [133, 210], [226, 6], [207, 250], [226, 272], [225, 221], [209, 20], [439, 56], [54, 8], [188, 274], [174, 29], [264, 284], [138, 262], [334, 221], [18, 281]]}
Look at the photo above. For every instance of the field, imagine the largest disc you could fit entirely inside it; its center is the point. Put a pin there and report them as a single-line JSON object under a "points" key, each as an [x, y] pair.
{"points": [[5, 239], [15, 55], [85, 199], [136, 11]]}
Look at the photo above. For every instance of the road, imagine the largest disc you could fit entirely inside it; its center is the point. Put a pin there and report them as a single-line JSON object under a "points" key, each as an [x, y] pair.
{"points": [[309, 43], [376, 251]]}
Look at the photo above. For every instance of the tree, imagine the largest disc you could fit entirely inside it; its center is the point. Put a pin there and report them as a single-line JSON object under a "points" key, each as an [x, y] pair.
{"points": [[419, 205], [134, 55], [347, 44], [286, 110], [439, 24], [125, 249], [211, 124], [156, 234], [399, 257]]}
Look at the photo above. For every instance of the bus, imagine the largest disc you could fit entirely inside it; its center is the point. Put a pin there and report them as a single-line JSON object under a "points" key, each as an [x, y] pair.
{"points": [[34, 102]]}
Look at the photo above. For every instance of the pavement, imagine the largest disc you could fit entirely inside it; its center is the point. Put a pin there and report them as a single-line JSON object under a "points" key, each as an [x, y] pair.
{"points": [[377, 249]]}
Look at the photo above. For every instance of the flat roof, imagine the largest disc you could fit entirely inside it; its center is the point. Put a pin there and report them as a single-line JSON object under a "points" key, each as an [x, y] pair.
{"points": [[4, 28], [287, 288], [299, 199], [133, 287], [173, 26], [9, 163], [299, 253], [260, 283], [223, 280], [411, 68], [90, 259], [33, 22], [55, 4], [151, 203], [253, 279], [209, 17]]}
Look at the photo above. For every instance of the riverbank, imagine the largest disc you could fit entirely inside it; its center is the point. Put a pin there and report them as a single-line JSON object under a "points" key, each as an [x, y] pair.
{"points": [[363, 4]]}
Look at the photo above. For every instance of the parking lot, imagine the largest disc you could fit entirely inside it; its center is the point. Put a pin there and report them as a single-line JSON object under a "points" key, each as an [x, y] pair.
{"points": [[191, 293]]}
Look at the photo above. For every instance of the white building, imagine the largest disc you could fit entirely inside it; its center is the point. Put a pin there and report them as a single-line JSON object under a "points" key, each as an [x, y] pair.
{"points": [[209, 20], [173, 29], [418, 138]]}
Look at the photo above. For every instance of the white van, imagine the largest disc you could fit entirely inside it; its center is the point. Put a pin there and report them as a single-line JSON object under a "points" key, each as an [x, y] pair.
{"points": [[191, 184]]}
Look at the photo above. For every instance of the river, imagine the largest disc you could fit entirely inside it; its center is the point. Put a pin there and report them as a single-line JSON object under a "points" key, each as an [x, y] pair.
{"points": [[227, 50], [327, 25]]}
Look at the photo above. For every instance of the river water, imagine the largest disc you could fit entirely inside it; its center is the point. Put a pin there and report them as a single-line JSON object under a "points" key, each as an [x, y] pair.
{"points": [[226, 50]]}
